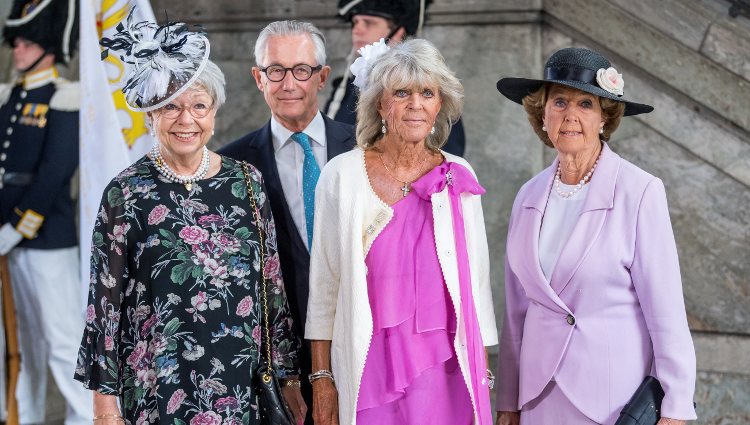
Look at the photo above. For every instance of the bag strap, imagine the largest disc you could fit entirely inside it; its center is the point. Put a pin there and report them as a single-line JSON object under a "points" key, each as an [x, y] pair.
{"points": [[264, 293]]}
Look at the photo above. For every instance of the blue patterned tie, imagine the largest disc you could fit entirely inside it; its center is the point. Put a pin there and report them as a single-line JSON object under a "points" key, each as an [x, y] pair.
{"points": [[310, 174]]}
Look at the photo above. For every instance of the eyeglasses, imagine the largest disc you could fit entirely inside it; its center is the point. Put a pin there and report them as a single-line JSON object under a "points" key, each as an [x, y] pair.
{"points": [[197, 110], [301, 72]]}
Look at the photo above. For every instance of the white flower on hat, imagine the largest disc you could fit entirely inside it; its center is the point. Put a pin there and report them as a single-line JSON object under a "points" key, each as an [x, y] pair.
{"points": [[610, 80], [367, 56]]}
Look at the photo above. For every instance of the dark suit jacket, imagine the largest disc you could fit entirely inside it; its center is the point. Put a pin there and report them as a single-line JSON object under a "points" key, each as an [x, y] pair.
{"points": [[257, 149]]}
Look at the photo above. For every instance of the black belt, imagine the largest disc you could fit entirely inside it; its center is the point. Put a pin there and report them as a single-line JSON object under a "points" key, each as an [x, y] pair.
{"points": [[16, 179]]}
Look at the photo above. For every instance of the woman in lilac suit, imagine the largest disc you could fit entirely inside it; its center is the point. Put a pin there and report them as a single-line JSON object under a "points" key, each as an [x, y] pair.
{"points": [[594, 298]]}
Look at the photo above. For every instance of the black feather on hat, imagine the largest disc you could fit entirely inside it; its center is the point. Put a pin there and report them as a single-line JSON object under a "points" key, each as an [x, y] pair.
{"points": [[405, 13], [52, 24]]}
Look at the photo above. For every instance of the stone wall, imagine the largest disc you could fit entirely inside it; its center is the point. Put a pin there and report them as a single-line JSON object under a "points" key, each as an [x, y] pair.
{"points": [[688, 58]]}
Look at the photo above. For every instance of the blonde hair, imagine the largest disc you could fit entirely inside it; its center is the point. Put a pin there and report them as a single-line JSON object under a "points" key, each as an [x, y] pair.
{"points": [[413, 63]]}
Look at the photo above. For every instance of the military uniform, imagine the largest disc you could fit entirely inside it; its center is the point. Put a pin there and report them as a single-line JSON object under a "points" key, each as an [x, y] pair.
{"points": [[38, 156]]}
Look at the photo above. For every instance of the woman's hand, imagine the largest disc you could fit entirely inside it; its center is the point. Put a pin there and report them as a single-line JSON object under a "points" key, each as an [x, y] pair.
{"points": [[325, 402], [508, 418], [293, 397], [106, 410], [670, 421]]}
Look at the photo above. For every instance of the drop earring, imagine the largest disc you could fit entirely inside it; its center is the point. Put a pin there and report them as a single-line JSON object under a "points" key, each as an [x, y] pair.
{"points": [[432, 131], [383, 129], [544, 128], [601, 130]]}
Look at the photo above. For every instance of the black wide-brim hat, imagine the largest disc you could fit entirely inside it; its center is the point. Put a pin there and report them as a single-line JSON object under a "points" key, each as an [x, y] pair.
{"points": [[574, 67]]}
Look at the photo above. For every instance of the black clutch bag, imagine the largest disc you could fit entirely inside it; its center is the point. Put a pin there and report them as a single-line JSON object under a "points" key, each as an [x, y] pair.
{"points": [[644, 408]]}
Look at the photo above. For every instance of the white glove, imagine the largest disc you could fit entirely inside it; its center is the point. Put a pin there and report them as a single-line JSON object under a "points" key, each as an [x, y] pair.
{"points": [[9, 238]]}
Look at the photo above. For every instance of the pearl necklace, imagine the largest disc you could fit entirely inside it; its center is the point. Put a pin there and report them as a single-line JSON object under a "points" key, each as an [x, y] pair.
{"points": [[576, 188], [170, 175]]}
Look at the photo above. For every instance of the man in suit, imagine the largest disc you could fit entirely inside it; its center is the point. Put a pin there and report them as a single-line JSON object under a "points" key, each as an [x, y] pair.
{"points": [[291, 149], [371, 20], [38, 156]]}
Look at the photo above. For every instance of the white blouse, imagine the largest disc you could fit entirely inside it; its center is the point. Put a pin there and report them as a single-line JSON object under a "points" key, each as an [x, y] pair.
{"points": [[560, 217]]}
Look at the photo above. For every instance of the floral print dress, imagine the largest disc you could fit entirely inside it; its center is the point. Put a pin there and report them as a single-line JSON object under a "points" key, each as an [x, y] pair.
{"points": [[174, 319]]}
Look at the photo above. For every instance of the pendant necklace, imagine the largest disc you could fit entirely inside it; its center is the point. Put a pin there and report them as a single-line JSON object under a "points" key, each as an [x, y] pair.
{"points": [[406, 188]]}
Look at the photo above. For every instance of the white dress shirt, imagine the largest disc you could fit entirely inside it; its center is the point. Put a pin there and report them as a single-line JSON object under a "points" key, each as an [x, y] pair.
{"points": [[560, 217], [289, 161]]}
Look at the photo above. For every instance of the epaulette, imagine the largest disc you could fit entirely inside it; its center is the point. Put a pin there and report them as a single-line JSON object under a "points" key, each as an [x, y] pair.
{"points": [[5, 90], [67, 96]]}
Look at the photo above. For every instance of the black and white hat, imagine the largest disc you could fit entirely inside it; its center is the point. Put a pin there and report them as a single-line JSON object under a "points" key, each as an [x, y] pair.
{"points": [[163, 60], [52, 24], [581, 69]]}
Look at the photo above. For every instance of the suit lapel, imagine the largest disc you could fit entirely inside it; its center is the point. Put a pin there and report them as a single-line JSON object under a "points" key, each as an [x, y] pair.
{"points": [[525, 240], [337, 141], [599, 201]]}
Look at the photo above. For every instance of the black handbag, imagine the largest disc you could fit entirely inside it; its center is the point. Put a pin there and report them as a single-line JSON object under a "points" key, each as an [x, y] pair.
{"points": [[271, 405], [644, 408]]}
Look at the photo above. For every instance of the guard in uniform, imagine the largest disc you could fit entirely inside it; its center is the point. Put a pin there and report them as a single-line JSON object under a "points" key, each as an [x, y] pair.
{"points": [[38, 156], [371, 20]]}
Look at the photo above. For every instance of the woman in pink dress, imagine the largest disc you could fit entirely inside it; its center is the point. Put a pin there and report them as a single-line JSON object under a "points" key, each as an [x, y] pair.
{"points": [[400, 309]]}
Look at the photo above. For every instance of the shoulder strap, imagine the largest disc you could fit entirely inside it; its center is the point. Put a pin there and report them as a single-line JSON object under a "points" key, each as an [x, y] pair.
{"points": [[264, 294]]}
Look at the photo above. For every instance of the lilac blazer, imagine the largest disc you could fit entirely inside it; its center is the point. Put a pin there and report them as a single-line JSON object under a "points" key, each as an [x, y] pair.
{"points": [[613, 310]]}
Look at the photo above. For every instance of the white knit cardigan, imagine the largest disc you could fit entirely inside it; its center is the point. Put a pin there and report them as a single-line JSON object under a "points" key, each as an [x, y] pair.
{"points": [[348, 218]]}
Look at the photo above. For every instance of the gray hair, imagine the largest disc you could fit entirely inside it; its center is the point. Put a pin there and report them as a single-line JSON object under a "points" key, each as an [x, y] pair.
{"points": [[281, 28], [413, 63], [212, 80]]}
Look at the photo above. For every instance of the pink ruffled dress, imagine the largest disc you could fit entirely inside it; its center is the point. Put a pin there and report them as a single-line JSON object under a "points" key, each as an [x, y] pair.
{"points": [[411, 375]]}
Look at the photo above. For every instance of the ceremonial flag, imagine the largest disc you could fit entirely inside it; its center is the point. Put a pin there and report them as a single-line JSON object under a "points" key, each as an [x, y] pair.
{"points": [[111, 135]]}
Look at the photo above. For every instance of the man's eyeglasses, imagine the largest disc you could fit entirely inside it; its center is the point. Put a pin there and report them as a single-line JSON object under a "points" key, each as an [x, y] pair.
{"points": [[301, 72], [197, 110]]}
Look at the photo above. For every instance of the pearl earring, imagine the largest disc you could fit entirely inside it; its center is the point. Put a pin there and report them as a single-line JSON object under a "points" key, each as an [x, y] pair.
{"points": [[432, 131], [383, 129], [544, 128], [213, 132], [601, 130]]}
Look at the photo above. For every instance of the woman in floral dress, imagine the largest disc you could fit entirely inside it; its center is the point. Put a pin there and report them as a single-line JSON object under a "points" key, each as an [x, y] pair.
{"points": [[174, 319]]}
